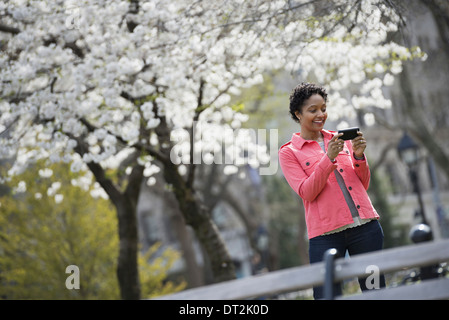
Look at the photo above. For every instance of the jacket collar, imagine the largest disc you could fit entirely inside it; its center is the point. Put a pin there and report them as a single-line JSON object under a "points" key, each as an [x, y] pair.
{"points": [[298, 141]]}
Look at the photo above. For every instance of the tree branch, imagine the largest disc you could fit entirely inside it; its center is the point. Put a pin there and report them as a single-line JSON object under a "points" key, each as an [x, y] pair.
{"points": [[138, 145], [75, 49], [98, 171], [381, 158], [134, 183], [151, 151], [192, 168], [8, 29], [134, 180]]}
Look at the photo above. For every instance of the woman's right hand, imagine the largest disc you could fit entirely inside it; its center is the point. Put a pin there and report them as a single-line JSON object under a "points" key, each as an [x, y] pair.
{"points": [[335, 146]]}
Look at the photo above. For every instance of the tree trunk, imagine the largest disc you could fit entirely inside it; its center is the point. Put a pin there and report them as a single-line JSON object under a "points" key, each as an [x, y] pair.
{"points": [[413, 86], [198, 217], [127, 268], [194, 272], [208, 235], [440, 12], [126, 205], [419, 131]]}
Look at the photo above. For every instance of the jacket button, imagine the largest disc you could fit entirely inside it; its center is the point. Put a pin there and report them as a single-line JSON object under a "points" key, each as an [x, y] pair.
{"points": [[347, 152], [341, 170], [358, 206], [357, 165], [350, 188], [307, 163]]}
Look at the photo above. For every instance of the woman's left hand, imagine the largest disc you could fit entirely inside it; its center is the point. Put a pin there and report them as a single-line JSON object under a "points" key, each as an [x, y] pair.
{"points": [[359, 145]]}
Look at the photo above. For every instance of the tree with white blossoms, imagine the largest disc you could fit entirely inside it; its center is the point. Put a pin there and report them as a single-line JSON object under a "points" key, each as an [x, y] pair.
{"points": [[118, 88]]}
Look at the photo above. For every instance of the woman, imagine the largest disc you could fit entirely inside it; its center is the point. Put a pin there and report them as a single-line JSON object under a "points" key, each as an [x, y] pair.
{"points": [[331, 176]]}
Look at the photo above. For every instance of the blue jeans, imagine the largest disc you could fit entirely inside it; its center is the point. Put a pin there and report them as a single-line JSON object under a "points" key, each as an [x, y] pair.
{"points": [[365, 238]]}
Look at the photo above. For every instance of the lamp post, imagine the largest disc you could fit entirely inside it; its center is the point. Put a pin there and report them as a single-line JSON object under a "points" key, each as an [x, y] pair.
{"points": [[409, 153]]}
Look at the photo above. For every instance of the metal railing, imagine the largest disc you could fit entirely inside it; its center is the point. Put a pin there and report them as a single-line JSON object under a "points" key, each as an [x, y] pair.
{"points": [[333, 270]]}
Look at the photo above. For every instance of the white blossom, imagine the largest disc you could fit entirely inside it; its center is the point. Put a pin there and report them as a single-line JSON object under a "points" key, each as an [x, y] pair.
{"points": [[77, 74], [45, 173], [21, 187], [59, 198], [230, 169], [151, 181], [369, 119], [388, 79]]}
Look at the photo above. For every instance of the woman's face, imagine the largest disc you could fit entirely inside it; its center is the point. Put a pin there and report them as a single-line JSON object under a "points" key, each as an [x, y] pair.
{"points": [[313, 114]]}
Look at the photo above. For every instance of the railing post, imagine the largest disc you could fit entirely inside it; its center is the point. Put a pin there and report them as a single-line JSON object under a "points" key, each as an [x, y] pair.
{"points": [[329, 258], [423, 233]]}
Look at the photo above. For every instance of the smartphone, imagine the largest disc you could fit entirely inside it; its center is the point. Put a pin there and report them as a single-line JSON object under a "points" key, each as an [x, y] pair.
{"points": [[349, 133]]}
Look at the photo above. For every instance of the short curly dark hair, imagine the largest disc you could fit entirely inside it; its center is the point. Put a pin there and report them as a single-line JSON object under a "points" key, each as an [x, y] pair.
{"points": [[301, 93]]}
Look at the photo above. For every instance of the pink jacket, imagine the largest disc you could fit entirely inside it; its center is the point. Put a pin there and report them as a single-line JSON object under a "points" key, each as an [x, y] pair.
{"points": [[309, 172]]}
